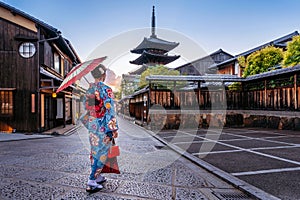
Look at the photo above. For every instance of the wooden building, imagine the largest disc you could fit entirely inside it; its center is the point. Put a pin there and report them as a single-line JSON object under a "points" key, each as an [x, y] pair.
{"points": [[34, 58], [231, 66], [269, 100], [201, 65]]}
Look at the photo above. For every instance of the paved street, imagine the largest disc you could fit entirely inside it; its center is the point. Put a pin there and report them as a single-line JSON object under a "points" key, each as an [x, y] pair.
{"points": [[58, 167], [267, 159]]}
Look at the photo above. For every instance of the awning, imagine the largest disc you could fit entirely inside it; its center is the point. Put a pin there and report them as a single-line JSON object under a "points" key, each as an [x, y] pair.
{"points": [[8, 89], [43, 71]]}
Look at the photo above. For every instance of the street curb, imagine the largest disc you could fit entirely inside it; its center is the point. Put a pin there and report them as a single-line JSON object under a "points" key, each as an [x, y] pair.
{"points": [[237, 183], [34, 136], [31, 138]]}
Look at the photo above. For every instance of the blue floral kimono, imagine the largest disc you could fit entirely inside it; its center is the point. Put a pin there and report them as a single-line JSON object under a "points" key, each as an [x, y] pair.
{"points": [[100, 121]]}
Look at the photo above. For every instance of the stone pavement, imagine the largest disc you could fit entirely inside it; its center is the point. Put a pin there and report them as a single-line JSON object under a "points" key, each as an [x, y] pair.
{"points": [[62, 130], [17, 136], [57, 167]]}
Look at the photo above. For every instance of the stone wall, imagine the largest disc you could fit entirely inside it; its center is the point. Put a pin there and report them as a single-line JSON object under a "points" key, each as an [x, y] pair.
{"points": [[190, 119]]}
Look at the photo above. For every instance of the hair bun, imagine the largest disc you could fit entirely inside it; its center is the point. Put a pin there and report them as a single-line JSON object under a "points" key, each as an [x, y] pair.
{"points": [[99, 71]]}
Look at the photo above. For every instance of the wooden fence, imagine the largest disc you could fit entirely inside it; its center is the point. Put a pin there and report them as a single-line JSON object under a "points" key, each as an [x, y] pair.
{"points": [[274, 93]]}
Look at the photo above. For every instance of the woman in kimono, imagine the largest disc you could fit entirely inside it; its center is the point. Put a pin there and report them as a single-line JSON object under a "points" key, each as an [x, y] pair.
{"points": [[101, 123]]}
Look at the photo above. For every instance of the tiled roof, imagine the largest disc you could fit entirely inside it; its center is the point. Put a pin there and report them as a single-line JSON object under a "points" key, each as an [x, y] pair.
{"points": [[223, 77], [273, 42], [139, 70], [21, 13], [160, 58], [53, 32], [222, 63], [154, 43], [277, 42], [204, 57], [206, 78], [274, 73]]}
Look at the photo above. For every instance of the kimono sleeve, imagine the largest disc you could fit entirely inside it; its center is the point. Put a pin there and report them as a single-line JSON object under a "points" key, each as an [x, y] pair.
{"points": [[84, 118], [87, 120]]}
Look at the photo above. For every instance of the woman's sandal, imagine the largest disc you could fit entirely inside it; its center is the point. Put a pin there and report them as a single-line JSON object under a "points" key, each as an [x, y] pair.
{"points": [[91, 189], [102, 181]]}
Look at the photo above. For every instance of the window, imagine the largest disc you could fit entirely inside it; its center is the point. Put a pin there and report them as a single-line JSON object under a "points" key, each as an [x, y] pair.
{"points": [[236, 69], [6, 102], [27, 49], [57, 62], [66, 67]]}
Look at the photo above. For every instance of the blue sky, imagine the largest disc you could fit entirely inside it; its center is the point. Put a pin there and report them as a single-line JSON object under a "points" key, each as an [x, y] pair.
{"points": [[233, 25]]}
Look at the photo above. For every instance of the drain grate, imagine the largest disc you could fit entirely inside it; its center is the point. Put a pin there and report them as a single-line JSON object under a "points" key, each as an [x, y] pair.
{"points": [[232, 196], [160, 147]]}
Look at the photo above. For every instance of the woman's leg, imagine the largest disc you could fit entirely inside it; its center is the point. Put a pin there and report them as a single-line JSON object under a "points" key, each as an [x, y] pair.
{"points": [[100, 145], [94, 168], [92, 185]]}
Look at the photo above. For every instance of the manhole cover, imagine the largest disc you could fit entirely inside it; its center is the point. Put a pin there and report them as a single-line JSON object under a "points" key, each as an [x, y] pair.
{"points": [[232, 196]]}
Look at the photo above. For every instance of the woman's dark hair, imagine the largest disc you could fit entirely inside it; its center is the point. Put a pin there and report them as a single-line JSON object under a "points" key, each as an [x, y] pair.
{"points": [[99, 71]]}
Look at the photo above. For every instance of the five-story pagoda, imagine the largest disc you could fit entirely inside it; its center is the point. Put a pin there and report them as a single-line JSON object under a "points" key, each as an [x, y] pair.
{"points": [[153, 50]]}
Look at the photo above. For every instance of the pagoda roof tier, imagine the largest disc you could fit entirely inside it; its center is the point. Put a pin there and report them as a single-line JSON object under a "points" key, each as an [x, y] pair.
{"points": [[148, 57], [154, 42], [138, 70]]}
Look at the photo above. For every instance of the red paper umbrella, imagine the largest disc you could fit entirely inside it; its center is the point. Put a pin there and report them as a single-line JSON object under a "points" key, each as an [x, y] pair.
{"points": [[79, 71]]}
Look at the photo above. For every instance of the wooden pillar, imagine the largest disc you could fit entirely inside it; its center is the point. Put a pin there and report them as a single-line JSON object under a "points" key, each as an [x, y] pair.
{"points": [[275, 102], [155, 90], [149, 95], [148, 106], [174, 96], [223, 101], [64, 110], [199, 94], [265, 93], [241, 105], [295, 92], [288, 96]]}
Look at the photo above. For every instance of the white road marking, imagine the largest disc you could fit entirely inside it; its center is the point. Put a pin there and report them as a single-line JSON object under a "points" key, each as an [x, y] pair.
{"points": [[177, 136], [280, 147], [216, 152], [249, 150], [265, 171], [193, 142], [263, 139]]}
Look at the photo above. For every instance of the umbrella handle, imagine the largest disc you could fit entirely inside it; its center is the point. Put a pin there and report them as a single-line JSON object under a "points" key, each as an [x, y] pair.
{"points": [[86, 80]]}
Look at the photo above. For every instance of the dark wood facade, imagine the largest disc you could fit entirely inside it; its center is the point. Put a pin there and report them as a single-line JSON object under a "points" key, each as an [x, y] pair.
{"points": [[27, 83], [201, 65]]}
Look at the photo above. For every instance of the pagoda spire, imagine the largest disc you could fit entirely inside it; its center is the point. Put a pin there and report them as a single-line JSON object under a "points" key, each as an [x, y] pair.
{"points": [[153, 50], [153, 23]]}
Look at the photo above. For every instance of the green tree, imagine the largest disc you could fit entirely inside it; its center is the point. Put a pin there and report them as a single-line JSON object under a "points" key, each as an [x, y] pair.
{"points": [[292, 54], [235, 86], [262, 60], [117, 94], [156, 70], [128, 87], [242, 61]]}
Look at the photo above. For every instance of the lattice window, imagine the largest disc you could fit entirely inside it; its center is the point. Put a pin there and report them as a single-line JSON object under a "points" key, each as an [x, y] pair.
{"points": [[281, 82], [254, 86], [57, 62], [27, 49], [6, 102]]}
